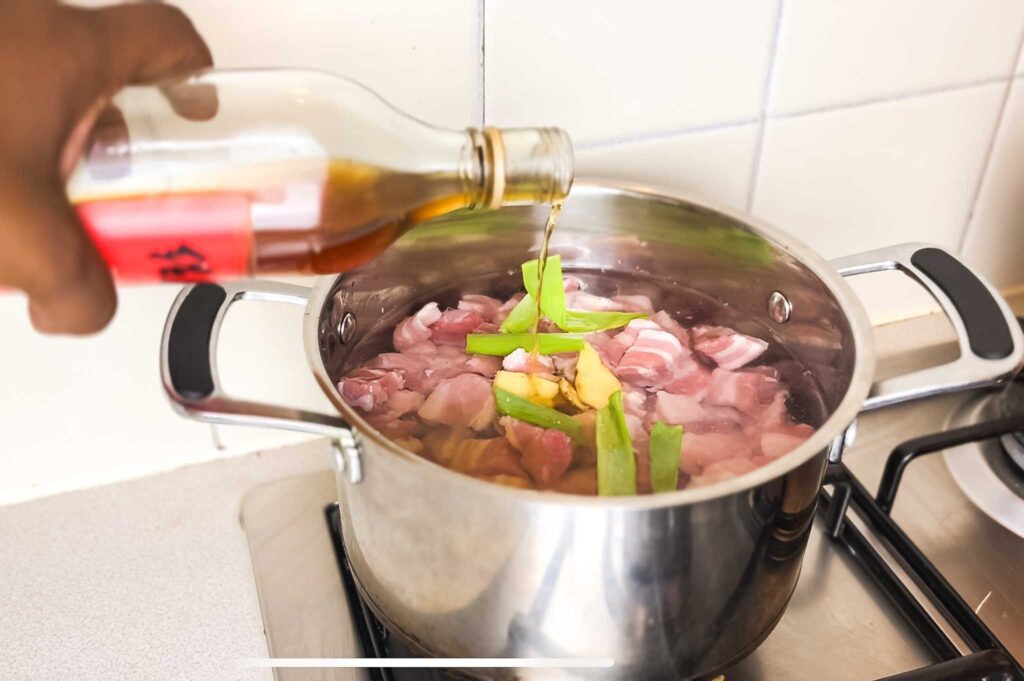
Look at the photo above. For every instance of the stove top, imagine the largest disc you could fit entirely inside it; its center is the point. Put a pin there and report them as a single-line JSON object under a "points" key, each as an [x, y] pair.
{"points": [[927, 583]]}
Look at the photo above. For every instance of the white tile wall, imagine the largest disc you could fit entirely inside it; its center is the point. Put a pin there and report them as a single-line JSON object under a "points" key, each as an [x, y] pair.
{"points": [[852, 124], [607, 69], [995, 238], [714, 164], [859, 178], [834, 53]]}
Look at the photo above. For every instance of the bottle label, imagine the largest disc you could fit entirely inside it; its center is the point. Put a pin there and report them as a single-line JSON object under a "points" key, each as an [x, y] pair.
{"points": [[182, 238]]}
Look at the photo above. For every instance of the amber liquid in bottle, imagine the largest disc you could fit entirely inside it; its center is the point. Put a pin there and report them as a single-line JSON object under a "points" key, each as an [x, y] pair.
{"points": [[363, 210], [295, 172]]}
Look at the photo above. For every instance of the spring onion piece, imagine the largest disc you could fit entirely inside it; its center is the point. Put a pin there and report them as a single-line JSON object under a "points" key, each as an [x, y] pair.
{"points": [[616, 464], [583, 321], [666, 448], [544, 417], [552, 302], [501, 344], [522, 316]]}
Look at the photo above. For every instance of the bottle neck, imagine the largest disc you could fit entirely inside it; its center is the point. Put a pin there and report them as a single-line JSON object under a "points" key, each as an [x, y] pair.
{"points": [[517, 166]]}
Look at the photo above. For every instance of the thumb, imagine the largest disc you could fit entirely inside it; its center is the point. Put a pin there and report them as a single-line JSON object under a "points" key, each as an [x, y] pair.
{"points": [[49, 255]]}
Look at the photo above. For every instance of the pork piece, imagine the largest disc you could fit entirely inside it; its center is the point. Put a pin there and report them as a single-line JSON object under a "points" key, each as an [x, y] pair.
{"points": [[746, 391], [441, 443], [700, 450], [485, 306], [493, 456], [547, 453], [580, 300], [453, 325], [577, 481], [613, 345], [415, 330], [403, 402], [455, 448], [692, 378], [485, 365], [729, 349], [522, 361], [565, 364], [665, 321], [784, 439], [369, 389], [506, 307], [588, 424], [695, 417], [465, 400], [722, 470], [508, 481], [571, 283], [652, 360], [634, 303], [634, 401], [392, 428]]}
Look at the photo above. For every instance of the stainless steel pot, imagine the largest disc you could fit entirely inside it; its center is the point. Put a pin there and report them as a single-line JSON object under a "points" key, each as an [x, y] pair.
{"points": [[674, 585]]}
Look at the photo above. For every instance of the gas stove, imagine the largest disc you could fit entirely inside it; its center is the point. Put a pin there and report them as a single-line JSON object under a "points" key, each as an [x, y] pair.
{"points": [[915, 569]]}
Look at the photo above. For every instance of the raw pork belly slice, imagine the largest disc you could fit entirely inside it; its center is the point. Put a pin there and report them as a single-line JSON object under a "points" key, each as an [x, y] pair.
{"points": [[728, 348], [465, 400], [493, 456], [748, 392], [506, 307], [391, 427], [701, 450], [723, 470], [547, 453], [696, 417], [403, 402], [634, 303], [416, 329], [653, 359], [580, 300], [522, 361], [665, 321], [485, 306], [453, 325], [565, 364], [692, 378], [368, 389], [784, 439]]}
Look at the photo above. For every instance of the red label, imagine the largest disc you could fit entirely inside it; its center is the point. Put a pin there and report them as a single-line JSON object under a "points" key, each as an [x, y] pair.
{"points": [[188, 238]]}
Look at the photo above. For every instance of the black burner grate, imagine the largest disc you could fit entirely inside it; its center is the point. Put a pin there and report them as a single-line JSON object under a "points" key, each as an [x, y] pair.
{"points": [[988, 660]]}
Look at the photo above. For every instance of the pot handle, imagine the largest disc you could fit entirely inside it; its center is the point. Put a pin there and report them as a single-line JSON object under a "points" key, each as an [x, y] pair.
{"points": [[991, 344], [188, 366]]}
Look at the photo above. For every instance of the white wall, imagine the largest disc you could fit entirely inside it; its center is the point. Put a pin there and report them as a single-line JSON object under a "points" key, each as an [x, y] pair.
{"points": [[851, 124]]}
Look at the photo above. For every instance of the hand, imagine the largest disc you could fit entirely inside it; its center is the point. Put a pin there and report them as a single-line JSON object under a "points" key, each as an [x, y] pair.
{"points": [[58, 68]]}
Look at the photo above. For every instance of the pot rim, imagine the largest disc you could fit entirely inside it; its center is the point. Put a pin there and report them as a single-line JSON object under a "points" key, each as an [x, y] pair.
{"points": [[844, 414]]}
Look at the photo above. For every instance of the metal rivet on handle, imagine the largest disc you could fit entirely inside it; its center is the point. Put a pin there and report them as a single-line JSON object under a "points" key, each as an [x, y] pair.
{"points": [[779, 307], [337, 458], [347, 327]]}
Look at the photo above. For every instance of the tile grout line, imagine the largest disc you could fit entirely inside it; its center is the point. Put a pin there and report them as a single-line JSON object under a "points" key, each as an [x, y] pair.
{"points": [[911, 94], [602, 143], [481, 44], [990, 151], [766, 97]]}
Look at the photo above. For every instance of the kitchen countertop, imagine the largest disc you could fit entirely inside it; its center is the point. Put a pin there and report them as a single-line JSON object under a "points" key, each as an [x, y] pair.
{"points": [[152, 579], [146, 579]]}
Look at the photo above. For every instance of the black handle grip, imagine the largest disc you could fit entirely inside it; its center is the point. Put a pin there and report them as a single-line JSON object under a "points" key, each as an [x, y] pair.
{"points": [[986, 327], [188, 345]]}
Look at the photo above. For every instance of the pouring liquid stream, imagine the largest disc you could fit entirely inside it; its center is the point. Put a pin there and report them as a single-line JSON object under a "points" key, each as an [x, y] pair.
{"points": [[556, 209]]}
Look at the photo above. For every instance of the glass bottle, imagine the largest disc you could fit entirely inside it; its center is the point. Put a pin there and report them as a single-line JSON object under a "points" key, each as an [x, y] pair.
{"points": [[238, 172]]}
